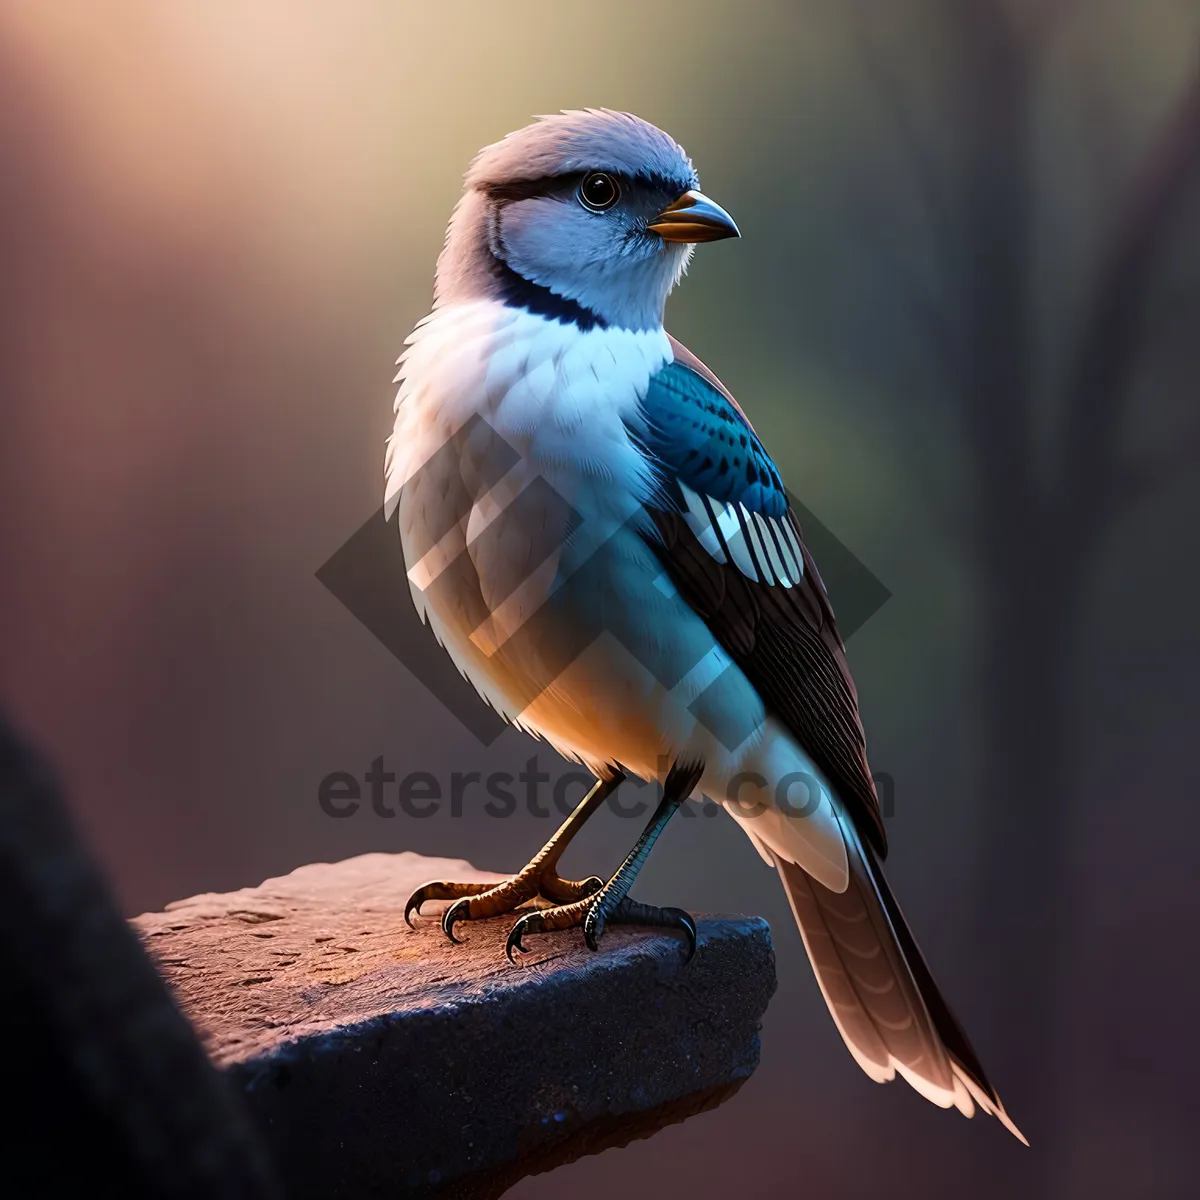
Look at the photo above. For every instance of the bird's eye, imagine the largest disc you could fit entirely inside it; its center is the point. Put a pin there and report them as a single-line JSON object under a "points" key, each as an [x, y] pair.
{"points": [[598, 191]]}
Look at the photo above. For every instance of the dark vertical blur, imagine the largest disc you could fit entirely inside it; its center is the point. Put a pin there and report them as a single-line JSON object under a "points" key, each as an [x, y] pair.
{"points": [[963, 314]]}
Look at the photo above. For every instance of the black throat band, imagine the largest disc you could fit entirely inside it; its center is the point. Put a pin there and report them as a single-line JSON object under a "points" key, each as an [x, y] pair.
{"points": [[519, 292]]}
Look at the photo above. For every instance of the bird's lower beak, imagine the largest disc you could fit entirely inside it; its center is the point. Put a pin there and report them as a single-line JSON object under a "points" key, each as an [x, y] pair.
{"points": [[694, 218]]}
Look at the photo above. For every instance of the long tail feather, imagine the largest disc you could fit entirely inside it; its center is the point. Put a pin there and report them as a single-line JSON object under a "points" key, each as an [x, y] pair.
{"points": [[879, 990]]}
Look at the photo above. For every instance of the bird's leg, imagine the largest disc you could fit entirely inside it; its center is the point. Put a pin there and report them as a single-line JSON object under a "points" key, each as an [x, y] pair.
{"points": [[611, 903], [539, 877]]}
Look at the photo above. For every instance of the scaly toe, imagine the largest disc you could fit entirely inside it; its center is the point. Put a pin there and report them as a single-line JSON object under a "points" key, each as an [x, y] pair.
{"points": [[439, 889], [634, 912], [567, 891]]}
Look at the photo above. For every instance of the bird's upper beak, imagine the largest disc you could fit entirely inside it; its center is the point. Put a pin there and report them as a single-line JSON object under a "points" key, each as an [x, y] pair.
{"points": [[694, 218]]}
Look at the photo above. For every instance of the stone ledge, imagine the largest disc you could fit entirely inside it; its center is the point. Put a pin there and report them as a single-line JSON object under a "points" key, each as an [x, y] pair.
{"points": [[378, 1060]]}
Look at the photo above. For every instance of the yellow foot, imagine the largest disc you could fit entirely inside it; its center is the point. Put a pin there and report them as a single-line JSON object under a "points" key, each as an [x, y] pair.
{"points": [[475, 901], [596, 912]]}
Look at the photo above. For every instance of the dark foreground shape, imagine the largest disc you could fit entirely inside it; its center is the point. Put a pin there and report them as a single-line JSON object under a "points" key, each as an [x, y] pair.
{"points": [[378, 1060], [108, 1090]]}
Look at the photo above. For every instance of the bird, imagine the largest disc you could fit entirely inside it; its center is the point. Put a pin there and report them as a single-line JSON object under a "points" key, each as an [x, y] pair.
{"points": [[596, 535]]}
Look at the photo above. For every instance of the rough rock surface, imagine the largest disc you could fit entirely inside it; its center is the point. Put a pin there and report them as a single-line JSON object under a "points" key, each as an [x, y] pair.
{"points": [[381, 1061]]}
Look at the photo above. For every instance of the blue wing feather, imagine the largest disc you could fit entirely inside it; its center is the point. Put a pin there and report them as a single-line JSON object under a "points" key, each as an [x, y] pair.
{"points": [[733, 548], [701, 440]]}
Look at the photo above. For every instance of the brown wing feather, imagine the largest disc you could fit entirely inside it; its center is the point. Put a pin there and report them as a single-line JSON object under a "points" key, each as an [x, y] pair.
{"points": [[786, 640]]}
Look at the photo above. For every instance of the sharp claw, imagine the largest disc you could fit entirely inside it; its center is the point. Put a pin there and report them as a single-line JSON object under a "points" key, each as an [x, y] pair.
{"points": [[593, 929], [459, 911], [687, 924], [529, 923], [513, 943], [414, 904]]}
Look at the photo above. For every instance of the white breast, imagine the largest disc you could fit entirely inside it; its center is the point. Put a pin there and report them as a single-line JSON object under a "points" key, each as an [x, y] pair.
{"points": [[556, 394], [558, 398]]}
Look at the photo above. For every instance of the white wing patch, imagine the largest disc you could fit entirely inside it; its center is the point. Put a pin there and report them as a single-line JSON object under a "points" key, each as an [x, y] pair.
{"points": [[765, 549]]}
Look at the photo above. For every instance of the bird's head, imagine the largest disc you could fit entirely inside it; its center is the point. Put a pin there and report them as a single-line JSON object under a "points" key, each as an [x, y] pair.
{"points": [[588, 215]]}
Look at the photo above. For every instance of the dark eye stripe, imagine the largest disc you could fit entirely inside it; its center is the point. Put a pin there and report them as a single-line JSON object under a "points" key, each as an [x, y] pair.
{"points": [[529, 189], [547, 185]]}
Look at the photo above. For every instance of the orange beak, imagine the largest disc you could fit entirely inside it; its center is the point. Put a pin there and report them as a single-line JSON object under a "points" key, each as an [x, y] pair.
{"points": [[694, 218]]}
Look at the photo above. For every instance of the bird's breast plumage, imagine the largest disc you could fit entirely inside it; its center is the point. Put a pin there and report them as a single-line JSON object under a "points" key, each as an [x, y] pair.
{"points": [[559, 396], [510, 462], [522, 476]]}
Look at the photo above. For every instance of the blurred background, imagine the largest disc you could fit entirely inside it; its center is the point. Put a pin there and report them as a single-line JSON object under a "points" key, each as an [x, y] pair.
{"points": [[963, 314]]}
